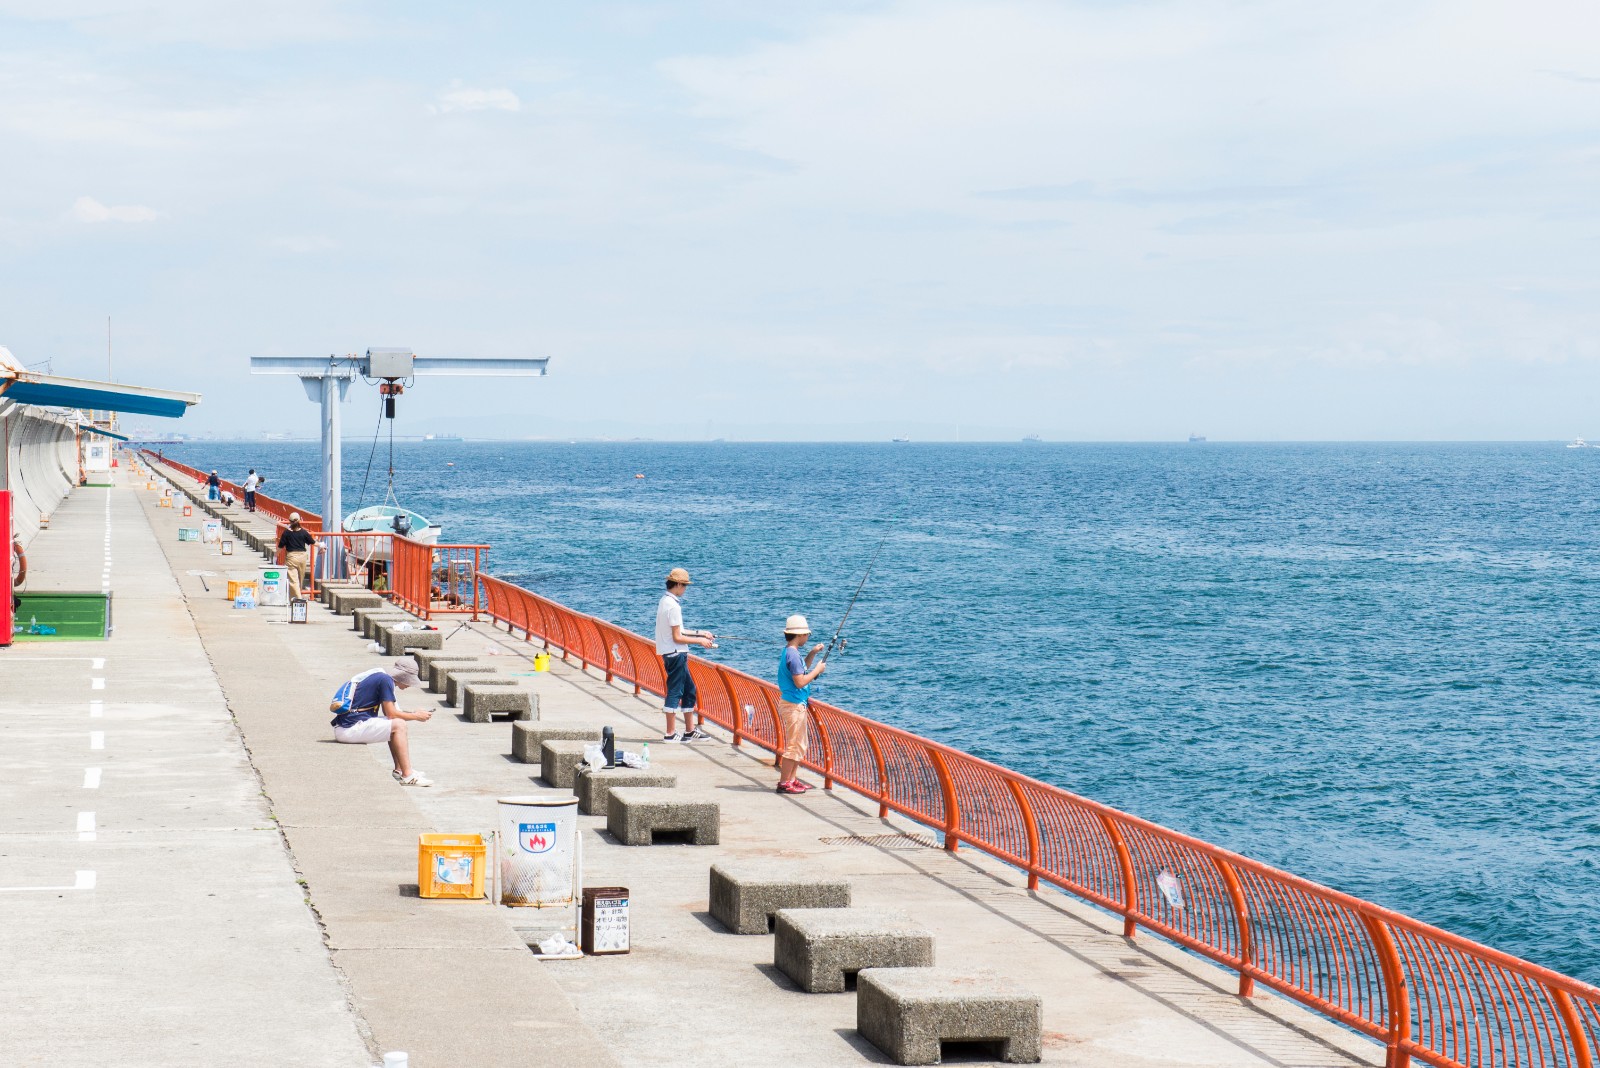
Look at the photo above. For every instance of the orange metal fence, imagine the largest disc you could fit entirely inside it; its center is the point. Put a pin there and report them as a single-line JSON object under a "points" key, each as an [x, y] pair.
{"points": [[435, 580], [1423, 992]]}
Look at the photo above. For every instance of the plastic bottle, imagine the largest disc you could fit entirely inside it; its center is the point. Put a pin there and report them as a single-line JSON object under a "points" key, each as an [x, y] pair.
{"points": [[646, 754]]}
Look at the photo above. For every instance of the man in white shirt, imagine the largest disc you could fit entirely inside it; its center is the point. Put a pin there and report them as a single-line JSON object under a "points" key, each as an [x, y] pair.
{"points": [[672, 643], [251, 481]]}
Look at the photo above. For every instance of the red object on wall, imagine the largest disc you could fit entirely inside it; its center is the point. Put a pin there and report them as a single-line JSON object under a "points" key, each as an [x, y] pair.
{"points": [[5, 572]]}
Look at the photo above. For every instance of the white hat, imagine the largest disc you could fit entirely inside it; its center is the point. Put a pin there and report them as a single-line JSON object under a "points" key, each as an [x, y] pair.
{"points": [[796, 625], [294, 517]]}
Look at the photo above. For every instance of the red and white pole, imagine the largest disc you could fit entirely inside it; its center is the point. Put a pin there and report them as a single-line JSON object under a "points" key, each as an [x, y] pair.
{"points": [[6, 622]]}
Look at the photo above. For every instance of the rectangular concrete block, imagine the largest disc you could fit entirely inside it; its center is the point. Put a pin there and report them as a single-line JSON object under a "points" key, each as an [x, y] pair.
{"points": [[372, 617], [527, 738], [594, 787], [908, 1012], [434, 662], [397, 641], [497, 697], [746, 895], [359, 616], [635, 816], [818, 948], [344, 602], [456, 678], [558, 762]]}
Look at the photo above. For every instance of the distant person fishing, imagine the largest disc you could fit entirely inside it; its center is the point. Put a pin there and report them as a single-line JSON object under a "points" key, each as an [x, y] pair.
{"points": [[672, 644]]}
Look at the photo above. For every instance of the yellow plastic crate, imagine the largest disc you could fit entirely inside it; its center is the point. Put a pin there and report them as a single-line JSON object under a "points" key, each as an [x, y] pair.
{"points": [[235, 585], [450, 865]]}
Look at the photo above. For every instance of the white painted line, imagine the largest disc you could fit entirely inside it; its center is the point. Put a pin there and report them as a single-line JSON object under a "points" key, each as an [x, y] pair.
{"points": [[91, 778], [97, 709], [83, 880], [97, 739], [86, 826], [97, 663], [97, 684]]}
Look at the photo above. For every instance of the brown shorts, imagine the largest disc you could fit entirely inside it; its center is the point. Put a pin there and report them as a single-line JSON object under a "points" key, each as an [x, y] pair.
{"points": [[796, 722]]}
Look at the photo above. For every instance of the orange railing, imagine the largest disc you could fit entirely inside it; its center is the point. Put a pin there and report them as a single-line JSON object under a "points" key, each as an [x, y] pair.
{"points": [[435, 580], [1421, 991]]}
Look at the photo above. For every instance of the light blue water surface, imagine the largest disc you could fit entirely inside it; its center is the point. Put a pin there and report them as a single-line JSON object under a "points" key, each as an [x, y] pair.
{"points": [[1373, 665]]}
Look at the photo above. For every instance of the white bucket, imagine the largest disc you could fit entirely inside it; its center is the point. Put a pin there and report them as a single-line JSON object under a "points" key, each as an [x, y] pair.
{"points": [[539, 850], [274, 585]]}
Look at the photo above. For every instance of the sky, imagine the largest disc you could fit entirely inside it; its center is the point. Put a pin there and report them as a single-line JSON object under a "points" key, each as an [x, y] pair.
{"points": [[823, 220]]}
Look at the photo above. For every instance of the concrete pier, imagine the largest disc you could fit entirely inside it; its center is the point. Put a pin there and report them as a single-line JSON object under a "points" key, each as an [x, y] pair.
{"points": [[254, 898]]}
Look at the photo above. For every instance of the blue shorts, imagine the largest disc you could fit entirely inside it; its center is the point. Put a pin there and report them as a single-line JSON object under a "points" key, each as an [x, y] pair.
{"points": [[680, 687]]}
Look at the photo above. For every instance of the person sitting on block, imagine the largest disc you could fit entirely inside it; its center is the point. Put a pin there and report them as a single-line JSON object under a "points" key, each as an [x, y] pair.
{"points": [[365, 712]]}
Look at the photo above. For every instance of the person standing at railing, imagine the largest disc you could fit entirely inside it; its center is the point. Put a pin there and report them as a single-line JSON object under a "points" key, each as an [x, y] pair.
{"points": [[795, 676], [296, 544], [672, 643], [213, 487], [251, 482]]}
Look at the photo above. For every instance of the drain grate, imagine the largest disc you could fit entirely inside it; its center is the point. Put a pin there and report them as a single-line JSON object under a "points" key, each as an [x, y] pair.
{"points": [[884, 841]]}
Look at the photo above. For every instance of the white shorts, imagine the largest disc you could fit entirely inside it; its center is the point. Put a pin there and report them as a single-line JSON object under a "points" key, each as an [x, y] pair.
{"points": [[371, 729]]}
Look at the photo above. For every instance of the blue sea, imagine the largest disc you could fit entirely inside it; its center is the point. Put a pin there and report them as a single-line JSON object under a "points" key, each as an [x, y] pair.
{"points": [[1375, 665]]}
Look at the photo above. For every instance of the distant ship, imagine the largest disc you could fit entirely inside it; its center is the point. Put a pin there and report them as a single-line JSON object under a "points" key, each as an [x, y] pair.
{"points": [[899, 441], [1579, 443], [1031, 439], [441, 437], [1196, 439]]}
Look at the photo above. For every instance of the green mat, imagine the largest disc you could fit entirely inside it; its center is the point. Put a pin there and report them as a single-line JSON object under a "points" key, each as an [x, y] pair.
{"points": [[72, 616]]}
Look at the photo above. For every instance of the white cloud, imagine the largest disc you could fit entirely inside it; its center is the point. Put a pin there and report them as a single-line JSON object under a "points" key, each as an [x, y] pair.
{"points": [[90, 210], [464, 98]]}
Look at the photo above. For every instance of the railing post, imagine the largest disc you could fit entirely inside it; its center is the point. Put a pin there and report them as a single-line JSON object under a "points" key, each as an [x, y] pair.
{"points": [[1581, 1056], [1031, 826], [1241, 918], [952, 811], [477, 568], [1130, 887], [883, 773], [827, 746], [733, 703], [1397, 997]]}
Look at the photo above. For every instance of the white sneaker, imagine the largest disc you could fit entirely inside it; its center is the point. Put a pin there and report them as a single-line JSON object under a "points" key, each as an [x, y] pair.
{"points": [[674, 737], [413, 780]]}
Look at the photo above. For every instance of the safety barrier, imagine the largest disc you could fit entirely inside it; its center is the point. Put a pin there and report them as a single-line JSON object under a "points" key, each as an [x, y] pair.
{"points": [[435, 580], [1423, 992]]}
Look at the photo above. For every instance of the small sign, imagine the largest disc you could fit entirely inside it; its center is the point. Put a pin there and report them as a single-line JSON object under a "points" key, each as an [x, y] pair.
{"points": [[297, 610], [604, 920], [227, 546]]}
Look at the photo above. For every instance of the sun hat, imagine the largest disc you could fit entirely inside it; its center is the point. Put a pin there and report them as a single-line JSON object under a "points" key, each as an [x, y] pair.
{"points": [[678, 576], [405, 672], [796, 625], [294, 517]]}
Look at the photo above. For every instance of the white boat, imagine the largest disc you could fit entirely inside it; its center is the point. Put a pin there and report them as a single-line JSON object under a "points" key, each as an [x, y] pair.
{"points": [[389, 519], [1579, 443]]}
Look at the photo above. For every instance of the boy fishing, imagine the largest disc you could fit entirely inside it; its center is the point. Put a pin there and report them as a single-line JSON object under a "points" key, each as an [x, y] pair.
{"points": [[672, 643], [795, 676]]}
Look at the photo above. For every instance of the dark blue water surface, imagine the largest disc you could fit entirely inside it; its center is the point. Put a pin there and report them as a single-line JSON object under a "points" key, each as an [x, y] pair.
{"points": [[1373, 665]]}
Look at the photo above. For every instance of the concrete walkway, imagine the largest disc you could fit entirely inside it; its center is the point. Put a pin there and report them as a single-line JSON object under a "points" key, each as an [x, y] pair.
{"points": [[151, 911], [452, 982]]}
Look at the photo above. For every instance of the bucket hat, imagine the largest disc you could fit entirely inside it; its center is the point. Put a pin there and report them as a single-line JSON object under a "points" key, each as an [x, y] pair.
{"points": [[796, 625]]}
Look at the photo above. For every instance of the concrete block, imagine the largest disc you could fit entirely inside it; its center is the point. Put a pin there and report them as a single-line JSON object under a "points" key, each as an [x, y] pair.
{"points": [[634, 816], [527, 738], [745, 895], [594, 787], [434, 662], [558, 762], [455, 678], [908, 1012], [326, 588], [818, 948], [344, 602], [365, 619], [402, 642], [492, 697]]}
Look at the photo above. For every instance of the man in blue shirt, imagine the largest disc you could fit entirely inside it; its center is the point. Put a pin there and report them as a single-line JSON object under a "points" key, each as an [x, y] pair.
{"points": [[373, 716], [795, 676]]}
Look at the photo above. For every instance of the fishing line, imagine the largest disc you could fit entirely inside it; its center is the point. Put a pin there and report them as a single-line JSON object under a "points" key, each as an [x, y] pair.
{"points": [[837, 640], [376, 432]]}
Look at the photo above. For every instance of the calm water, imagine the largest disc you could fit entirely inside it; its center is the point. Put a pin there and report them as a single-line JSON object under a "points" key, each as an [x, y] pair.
{"points": [[1373, 665]]}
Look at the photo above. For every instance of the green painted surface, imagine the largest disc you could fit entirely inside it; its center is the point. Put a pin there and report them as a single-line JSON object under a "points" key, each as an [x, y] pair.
{"points": [[73, 616]]}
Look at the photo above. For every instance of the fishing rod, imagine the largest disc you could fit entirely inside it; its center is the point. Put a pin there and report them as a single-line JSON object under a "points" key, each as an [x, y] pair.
{"points": [[838, 641]]}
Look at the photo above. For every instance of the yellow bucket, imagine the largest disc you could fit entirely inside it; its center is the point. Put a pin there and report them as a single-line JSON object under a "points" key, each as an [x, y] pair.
{"points": [[541, 661]]}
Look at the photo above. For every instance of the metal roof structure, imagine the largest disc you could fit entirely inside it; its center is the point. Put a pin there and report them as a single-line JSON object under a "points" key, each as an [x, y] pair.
{"points": [[55, 391]]}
